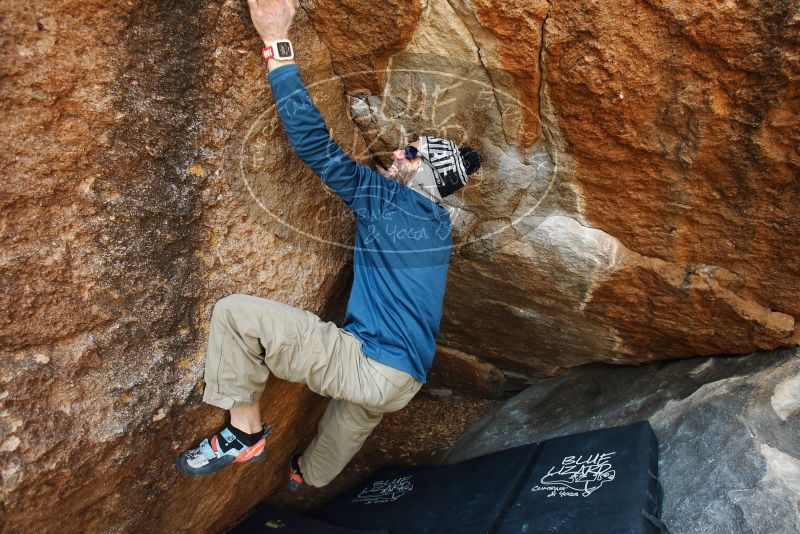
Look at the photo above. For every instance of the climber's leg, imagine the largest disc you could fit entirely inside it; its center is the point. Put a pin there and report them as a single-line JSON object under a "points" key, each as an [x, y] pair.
{"points": [[244, 330], [342, 431], [345, 425], [252, 337]]}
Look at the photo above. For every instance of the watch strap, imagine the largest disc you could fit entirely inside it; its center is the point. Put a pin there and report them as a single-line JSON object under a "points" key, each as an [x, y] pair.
{"points": [[277, 50]]}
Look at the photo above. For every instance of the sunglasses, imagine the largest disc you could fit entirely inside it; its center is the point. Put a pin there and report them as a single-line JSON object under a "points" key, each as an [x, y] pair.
{"points": [[411, 152]]}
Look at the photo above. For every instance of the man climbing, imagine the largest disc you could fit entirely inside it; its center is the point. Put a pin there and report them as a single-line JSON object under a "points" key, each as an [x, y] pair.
{"points": [[377, 361]]}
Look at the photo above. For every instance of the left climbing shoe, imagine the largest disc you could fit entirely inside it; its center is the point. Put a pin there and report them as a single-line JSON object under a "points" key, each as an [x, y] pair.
{"points": [[295, 475], [219, 450]]}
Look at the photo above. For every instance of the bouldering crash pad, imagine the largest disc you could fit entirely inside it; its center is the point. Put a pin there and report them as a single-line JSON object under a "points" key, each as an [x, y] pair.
{"points": [[603, 481]]}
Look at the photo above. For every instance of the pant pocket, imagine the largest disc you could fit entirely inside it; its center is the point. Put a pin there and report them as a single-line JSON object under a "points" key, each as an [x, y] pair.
{"points": [[395, 377], [400, 387], [403, 395]]}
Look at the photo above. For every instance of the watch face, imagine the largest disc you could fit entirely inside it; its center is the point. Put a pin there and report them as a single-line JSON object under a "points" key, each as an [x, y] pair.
{"points": [[284, 49]]}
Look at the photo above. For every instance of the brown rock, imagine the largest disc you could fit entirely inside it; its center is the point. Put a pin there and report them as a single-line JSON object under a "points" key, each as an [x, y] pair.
{"points": [[654, 215], [679, 164], [516, 33], [464, 372], [637, 201], [146, 176], [362, 35]]}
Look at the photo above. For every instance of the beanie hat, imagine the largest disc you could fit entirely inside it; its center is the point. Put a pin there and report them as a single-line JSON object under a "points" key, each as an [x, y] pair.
{"points": [[472, 160], [450, 165]]}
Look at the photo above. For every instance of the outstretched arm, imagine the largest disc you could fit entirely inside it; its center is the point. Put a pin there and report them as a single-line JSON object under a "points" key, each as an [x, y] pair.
{"points": [[358, 185]]}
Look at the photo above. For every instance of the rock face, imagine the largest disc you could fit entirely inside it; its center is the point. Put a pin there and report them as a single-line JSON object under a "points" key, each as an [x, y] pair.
{"points": [[146, 176], [727, 431], [637, 202], [640, 181]]}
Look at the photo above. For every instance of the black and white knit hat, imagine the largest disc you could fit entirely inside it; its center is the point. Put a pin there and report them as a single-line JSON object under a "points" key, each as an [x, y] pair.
{"points": [[444, 169], [450, 169]]}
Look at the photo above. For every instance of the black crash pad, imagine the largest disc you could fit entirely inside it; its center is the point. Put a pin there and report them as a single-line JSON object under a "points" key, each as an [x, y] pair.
{"points": [[463, 497], [604, 481], [272, 520]]}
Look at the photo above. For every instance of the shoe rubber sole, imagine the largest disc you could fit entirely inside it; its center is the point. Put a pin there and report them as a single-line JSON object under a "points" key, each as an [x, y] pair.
{"points": [[186, 469]]}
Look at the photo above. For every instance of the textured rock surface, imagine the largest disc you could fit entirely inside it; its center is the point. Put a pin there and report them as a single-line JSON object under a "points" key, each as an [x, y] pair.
{"points": [[727, 430], [639, 192], [685, 161], [145, 176], [467, 374], [638, 202]]}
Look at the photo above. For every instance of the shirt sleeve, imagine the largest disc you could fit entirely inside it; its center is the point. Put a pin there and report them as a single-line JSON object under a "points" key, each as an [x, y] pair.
{"points": [[362, 189]]}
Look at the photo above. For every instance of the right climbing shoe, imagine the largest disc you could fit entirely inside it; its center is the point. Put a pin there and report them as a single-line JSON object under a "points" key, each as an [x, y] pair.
{"points": [[219, 450], [295, 475]]}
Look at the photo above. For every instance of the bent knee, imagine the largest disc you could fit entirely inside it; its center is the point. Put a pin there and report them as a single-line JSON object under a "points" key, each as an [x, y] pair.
{"points": [[239, 301], [229, 303]]}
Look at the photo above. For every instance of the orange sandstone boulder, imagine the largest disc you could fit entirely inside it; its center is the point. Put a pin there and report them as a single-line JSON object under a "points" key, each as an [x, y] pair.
{"points": [[638, 198], [637, 201], [145, 176]]}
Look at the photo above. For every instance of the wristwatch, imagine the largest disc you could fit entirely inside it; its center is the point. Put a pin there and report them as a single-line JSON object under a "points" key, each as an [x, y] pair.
{"points": [[281, 50]]}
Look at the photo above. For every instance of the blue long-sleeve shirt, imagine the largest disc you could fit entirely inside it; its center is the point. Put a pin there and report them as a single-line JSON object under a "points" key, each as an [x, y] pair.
{"points": [[403, 240]]}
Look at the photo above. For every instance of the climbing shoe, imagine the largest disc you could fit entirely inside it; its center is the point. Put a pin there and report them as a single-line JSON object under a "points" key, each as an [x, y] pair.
{"points": [[295, 475], [221, 449]]}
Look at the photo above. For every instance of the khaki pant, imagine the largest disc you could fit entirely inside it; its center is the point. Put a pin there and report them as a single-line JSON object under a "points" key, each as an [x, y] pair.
{"points": [[252, 337]]}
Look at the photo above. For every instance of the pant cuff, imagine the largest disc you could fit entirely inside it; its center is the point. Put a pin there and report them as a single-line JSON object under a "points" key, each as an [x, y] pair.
{"points": [[308, 478], [226, 403]]}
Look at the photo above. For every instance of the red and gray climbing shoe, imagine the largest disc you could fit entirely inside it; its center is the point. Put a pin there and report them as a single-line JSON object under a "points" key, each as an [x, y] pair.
{"points": [[219, 450], [295, 474]]}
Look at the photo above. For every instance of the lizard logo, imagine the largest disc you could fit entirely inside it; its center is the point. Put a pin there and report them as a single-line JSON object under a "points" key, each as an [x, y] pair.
{"points": [[578, 475], [383, 491]]}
